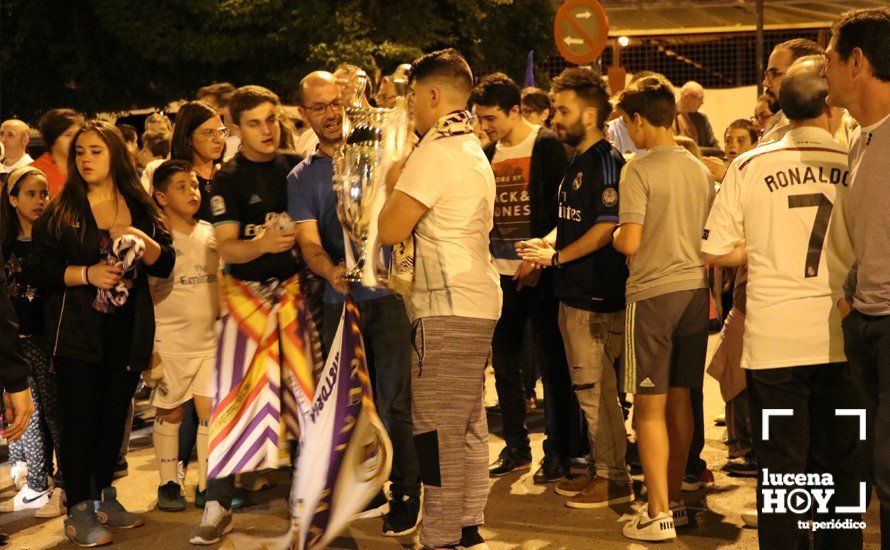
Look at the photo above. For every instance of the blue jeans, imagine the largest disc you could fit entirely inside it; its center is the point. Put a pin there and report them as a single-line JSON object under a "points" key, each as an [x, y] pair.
{"points": [[387, 335]]}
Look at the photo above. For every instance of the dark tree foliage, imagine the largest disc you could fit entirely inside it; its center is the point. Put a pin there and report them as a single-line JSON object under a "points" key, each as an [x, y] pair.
{"points": [[116, 55]]}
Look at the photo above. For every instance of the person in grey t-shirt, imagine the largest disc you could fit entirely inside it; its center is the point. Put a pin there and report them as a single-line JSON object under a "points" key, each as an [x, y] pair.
{"points": [[858, 74], [663, 197]]}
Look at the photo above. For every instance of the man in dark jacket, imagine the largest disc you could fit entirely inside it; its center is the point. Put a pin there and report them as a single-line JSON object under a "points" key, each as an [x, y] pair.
{"points": [[528, 163]]}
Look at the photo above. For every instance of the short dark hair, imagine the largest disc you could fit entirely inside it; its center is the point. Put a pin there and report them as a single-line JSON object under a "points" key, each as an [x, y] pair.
{"points": [[250, 97], [188, 118], [652, 98], [742, 124], [800, 47], [497, 90], [589, 87], [129, 132], [448, 64], [868, 30], [157, 142], [536, 99], [160, 180], [221, 92], [55, 122], [802, 95]]}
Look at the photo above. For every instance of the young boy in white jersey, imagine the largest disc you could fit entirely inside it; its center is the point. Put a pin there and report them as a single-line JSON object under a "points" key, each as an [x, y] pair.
{"points": [[186, 309]]}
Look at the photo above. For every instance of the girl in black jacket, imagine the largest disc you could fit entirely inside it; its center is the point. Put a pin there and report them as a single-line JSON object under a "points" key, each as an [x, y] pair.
{"points": [[99, 316]]}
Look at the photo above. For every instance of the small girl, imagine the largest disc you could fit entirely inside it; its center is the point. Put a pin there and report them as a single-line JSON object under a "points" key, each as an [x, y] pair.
{"points": [[24, 197]]}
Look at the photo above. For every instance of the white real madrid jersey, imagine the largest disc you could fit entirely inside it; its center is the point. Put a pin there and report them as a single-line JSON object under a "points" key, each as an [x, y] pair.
{"points": [[784, 199]]}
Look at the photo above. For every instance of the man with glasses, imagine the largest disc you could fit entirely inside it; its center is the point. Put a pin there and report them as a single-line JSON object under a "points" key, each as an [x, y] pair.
{"points": [[385, 327], [780, 60]]}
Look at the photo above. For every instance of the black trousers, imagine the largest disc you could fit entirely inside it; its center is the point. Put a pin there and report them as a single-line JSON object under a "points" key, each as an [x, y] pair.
{"points": [[695, 465], [94, 399], [813, 440], [867, 346], [537, 305]]}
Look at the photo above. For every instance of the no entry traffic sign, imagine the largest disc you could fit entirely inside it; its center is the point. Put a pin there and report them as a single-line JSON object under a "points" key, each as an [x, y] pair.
{"points": [[581, 30]]}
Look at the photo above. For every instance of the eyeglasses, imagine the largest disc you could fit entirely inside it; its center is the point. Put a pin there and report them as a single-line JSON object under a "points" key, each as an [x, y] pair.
{"points": [[761, 117], [772, 73], [321, 108], [210, 133]]}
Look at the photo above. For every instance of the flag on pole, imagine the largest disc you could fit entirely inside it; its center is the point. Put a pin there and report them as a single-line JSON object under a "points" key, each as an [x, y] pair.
{"points": [[345, 454], [529, 70]]}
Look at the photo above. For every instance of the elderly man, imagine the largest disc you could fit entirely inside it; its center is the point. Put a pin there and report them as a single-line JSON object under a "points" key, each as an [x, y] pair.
{"points": [[15, 137], [690, 122]]}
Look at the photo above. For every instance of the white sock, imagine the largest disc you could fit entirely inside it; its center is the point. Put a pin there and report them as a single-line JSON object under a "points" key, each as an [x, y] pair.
{"points": [[203, 450], [166, 441]]}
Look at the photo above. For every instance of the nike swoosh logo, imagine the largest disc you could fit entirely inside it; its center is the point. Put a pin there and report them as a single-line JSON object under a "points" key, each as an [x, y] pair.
{"points": [[30, 500]]}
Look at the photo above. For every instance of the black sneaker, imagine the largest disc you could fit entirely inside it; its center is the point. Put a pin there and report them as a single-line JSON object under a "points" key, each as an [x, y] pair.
{"points": [[508, 461], [170, 498], [470, 539], [552, 469], [403, 516]]}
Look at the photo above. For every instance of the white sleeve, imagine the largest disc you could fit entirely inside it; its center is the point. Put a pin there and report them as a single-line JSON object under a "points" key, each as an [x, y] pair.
{"points": [[422, 178], [725, 225]]}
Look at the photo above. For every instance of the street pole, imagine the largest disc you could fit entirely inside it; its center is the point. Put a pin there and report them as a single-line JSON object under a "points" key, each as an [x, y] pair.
{"points": [[759, 40]]}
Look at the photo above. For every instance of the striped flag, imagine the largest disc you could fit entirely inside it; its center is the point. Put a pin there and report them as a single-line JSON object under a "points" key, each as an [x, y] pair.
{"points": [[265, 342], [345, 453]]}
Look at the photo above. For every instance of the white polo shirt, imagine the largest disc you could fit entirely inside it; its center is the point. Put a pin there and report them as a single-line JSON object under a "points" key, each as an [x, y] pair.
{"points": [[454, 274], [784, 199]]}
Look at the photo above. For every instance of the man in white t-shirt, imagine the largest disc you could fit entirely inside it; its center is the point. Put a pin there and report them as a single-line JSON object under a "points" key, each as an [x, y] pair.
{"points": [[528, 163], [15, 137], [445, 197], [775, 211]]}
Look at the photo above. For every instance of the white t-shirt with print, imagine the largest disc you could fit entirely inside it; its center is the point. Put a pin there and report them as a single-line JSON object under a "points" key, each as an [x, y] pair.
{"points": [[454, 274], [785, 199], [512, 207], [187, 303]]}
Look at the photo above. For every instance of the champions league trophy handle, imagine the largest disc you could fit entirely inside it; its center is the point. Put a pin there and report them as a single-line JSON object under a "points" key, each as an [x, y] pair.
{"points": [[374, 138]]}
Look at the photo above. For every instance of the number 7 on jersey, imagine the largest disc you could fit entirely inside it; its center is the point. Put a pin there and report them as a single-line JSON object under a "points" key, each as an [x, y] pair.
{"points": [[820, 227]]}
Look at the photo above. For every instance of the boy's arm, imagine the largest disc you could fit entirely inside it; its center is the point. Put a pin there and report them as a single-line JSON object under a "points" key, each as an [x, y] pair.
{"points": [[627, 237], [236, 251]]}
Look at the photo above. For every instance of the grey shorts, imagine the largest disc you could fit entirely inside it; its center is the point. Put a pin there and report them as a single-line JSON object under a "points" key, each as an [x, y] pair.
{"points": [[666, 342]]}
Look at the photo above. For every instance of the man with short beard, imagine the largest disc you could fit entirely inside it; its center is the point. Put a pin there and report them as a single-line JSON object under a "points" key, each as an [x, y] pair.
{"points": [[384, 322], [589, 281], [780, 61]]}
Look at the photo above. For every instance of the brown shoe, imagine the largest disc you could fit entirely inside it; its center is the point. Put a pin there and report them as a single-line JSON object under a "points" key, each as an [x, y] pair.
{"points": [[573, 486], [600, 493]]}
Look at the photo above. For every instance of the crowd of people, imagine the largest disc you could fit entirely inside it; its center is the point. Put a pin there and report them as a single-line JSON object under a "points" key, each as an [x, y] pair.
{"points": [[606, 229]]}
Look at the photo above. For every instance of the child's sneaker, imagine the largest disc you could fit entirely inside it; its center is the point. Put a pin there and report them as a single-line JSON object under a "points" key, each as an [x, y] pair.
{"points": [[678, 510], [26, 499], [645, 527]]}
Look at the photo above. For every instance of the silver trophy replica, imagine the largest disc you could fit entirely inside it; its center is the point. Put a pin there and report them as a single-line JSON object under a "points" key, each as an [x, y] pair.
{"points": [[374, 138]]}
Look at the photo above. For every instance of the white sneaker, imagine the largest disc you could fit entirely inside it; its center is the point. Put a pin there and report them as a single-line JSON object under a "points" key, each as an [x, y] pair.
{"points": [[215, 524], [749, 517], [26, 499], [678, 510], [19, 474], [644, 527], [55, 507]]}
